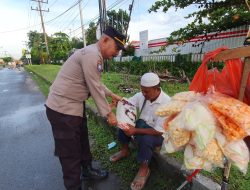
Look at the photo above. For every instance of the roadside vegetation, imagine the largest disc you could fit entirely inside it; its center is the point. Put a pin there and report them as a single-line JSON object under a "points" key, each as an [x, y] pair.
{"points": [[102, 136]]}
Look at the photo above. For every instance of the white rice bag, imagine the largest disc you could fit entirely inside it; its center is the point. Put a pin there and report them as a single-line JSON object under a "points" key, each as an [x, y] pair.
{"points": [[126, 112]]}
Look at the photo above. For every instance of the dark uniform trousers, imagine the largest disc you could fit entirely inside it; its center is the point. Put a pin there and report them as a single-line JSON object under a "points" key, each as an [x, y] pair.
{"points": [[71, 145]]}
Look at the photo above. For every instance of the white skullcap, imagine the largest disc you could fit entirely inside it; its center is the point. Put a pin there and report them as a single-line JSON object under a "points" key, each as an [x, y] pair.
{"points": [[149, 80]]}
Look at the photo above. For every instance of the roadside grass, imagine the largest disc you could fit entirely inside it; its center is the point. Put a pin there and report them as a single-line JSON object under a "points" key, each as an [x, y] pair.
{"points": [[126, 169], [42, 84], [47, 72]]}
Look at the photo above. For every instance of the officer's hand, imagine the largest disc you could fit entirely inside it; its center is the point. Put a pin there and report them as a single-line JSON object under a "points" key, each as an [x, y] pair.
{"points": [[115, 100], [111, 119]]}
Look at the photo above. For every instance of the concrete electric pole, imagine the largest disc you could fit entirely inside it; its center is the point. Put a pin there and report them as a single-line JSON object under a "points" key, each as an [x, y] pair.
{"points": [[41, 15], [102, 15], [130, 12], [82, 26], [102, 23]]}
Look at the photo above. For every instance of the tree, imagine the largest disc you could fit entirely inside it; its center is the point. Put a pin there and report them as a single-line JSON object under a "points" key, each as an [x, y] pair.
{"points": [[59, 46], [35, 45], [76, 43], [7, 59], [130, 51], [118, 20], [91, 33], [210, 16]]}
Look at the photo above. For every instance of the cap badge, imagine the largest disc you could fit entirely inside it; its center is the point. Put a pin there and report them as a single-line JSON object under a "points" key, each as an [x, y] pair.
{"points": [[121, 41]]}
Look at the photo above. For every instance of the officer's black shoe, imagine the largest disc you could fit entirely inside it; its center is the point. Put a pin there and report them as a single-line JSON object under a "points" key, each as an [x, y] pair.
{"points": [[91, 173]]}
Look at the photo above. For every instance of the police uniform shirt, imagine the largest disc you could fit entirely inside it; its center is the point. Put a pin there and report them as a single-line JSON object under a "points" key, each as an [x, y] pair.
{"points": [[148, 111], [79, 76]]}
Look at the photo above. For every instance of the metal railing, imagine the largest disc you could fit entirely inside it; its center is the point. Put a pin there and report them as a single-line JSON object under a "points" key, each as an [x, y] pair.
{"points": [[194, 57]]}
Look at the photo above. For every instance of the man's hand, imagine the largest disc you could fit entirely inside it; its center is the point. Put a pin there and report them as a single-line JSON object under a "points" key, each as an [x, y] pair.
{"points": [[115, 100], [111, 119], [130, 131]]}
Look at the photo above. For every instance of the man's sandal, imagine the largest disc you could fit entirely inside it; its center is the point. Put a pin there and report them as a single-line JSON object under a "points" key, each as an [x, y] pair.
{"points": [[139, 181], [118, 156]]}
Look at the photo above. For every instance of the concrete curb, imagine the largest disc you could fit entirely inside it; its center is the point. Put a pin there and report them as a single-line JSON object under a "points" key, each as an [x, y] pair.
{"points": [[169, 165], [172, 168]]}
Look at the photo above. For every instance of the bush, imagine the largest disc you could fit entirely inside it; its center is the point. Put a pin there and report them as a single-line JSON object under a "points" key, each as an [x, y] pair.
{"points": [[183, 62]]}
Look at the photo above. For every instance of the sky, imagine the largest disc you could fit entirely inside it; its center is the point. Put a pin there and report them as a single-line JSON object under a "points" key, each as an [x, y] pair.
{"points": [[18, 17]]}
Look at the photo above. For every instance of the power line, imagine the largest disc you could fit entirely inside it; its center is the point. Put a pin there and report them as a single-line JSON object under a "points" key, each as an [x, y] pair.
{"points": [[72, 21], [96, 17], [63, 12], [46, 22], [25, 28]]}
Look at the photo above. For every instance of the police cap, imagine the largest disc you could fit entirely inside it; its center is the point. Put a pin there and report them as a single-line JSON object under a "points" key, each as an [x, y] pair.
{"points": [[119, 38]]}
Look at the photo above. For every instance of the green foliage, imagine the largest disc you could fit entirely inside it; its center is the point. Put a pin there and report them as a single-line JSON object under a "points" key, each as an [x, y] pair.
{"points": [[48, 72], [91, 34], [76, 43], [130, 51], [35, 39], [7, 59], [210, 16], [59, 46], [183, 62], [118, 20]]}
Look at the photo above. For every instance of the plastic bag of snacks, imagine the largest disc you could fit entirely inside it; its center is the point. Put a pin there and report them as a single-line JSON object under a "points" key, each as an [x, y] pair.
{"points": [[168, 146], [232, 114], [179, 135], [168, 120], [187, 96], [192, 161], [172, 107], [212, 153], [178, 101], [198, 119], [235, 151]]}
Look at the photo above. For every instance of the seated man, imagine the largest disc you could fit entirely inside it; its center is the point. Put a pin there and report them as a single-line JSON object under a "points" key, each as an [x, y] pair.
{"points": [[149, 127]]}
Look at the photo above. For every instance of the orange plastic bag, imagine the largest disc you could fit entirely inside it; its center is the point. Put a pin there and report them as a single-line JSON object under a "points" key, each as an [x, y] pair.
{"points": [[226, 82]]}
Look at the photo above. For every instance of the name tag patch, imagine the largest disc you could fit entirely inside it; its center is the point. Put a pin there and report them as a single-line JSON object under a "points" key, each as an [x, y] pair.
{"points": [[99, 67]]}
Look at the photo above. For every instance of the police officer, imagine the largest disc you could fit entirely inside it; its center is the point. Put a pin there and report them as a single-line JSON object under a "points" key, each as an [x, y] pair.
{"points": [[79, 78]]}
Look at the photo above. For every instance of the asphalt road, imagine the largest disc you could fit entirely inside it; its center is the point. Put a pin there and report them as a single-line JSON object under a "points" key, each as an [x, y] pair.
{"points": [[26, 143]]}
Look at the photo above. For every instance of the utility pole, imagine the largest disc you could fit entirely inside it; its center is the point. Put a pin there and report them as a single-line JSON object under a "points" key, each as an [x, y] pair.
{"points": [[122, 23], [103, 18], [41, 15], [102, 15], [82, 26], [129, 18], [70, 33], [27, 53], [117, 23], [1, 52]]}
